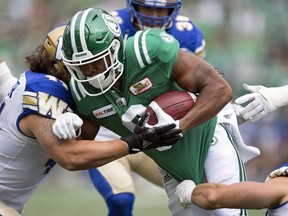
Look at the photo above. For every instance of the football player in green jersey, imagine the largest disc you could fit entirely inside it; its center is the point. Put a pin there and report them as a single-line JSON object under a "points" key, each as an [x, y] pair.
{"points": [[30, 150], [114, 80]]}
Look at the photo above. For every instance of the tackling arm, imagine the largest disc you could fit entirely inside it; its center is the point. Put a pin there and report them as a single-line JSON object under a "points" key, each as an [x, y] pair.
{"points": [[72, 154], [249, 195]]}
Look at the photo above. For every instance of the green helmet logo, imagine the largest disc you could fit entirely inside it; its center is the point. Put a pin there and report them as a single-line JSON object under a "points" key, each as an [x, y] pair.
{"points": [[93, 35], [112, 25]]}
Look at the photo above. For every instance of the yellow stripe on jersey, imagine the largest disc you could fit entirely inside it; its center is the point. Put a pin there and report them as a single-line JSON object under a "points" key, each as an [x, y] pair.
{"points": [[29, 100], [45, 104]]}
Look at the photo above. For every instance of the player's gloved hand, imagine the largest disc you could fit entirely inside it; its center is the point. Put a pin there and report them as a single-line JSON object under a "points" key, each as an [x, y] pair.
{"points": [[258, 105], [145, 138], [282, 171], [184, 192], [163, 117], [67, 126]]}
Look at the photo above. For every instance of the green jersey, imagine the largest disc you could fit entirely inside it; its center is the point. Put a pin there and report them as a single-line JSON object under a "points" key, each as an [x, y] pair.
{"points": [[150, 59]]}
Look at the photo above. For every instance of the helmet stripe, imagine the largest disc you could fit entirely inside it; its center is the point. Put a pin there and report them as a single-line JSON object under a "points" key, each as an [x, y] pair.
{"points": [[72, 32], [137, 50], [145, 51], [82, 29]]}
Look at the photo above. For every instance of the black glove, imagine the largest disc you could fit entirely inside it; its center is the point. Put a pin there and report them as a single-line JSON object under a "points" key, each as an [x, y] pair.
{"points": [[149, 138]]}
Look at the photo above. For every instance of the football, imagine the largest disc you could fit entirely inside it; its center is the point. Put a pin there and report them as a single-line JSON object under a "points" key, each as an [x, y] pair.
{"points": [[174, 103]]}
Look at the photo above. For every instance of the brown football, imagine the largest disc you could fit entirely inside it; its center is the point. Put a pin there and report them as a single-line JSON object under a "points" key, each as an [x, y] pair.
{"points": [[174, 103]]}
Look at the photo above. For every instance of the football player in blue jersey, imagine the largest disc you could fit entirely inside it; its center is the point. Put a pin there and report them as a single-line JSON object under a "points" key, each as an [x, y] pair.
{"points": [[114, 181], [30, 150], [143, 14], [271, 194]]}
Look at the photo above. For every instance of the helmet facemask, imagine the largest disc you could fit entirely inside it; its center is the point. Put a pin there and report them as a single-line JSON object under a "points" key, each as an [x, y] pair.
{"points": [[104, 80], [93, 37], [146, 22]]}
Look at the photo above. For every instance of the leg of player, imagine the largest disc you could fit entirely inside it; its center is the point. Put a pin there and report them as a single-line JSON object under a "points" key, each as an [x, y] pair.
{"points": [[224, 165], [176, 210], [114, 182]]}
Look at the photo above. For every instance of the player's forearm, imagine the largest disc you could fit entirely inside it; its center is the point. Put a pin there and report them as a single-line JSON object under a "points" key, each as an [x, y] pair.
{"points": [[85, 154], [212, 99], [205, 196], [246, 195]]}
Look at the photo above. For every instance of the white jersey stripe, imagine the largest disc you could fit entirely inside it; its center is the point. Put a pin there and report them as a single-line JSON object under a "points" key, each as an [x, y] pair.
{"points": [[136, 48], [82, 89], [31, 107], [145, 51], [72, 32], [72, 82], [82, 29]]}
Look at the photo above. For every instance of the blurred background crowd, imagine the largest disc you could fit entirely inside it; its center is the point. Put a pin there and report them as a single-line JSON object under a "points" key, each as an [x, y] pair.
{"points": [[247, 40]]}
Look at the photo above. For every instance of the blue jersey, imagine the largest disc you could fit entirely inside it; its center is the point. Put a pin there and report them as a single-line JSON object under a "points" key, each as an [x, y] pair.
{"points": [[23, 162], [189, 36]]}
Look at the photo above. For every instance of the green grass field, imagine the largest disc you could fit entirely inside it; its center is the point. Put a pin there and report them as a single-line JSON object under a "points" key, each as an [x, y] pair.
{"points": [[67, 193]]}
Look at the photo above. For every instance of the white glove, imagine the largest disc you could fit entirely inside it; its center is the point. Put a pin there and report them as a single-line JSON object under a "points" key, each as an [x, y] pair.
{"points": [[163, 118], [258, 105], [66, 125], [184, 192]]}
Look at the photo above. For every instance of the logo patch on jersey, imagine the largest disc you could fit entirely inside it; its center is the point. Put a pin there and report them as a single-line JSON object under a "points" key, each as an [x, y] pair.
{"points": [[104, 111], [141, 86], [167, 37], [43, 103]]}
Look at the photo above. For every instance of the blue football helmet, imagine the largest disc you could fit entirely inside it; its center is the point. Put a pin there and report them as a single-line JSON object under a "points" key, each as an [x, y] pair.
{"points": [[144, 21]]}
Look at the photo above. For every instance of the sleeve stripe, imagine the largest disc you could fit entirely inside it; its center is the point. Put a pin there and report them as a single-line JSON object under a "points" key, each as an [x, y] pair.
{"points": [[137, 50], [145, 51]]}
